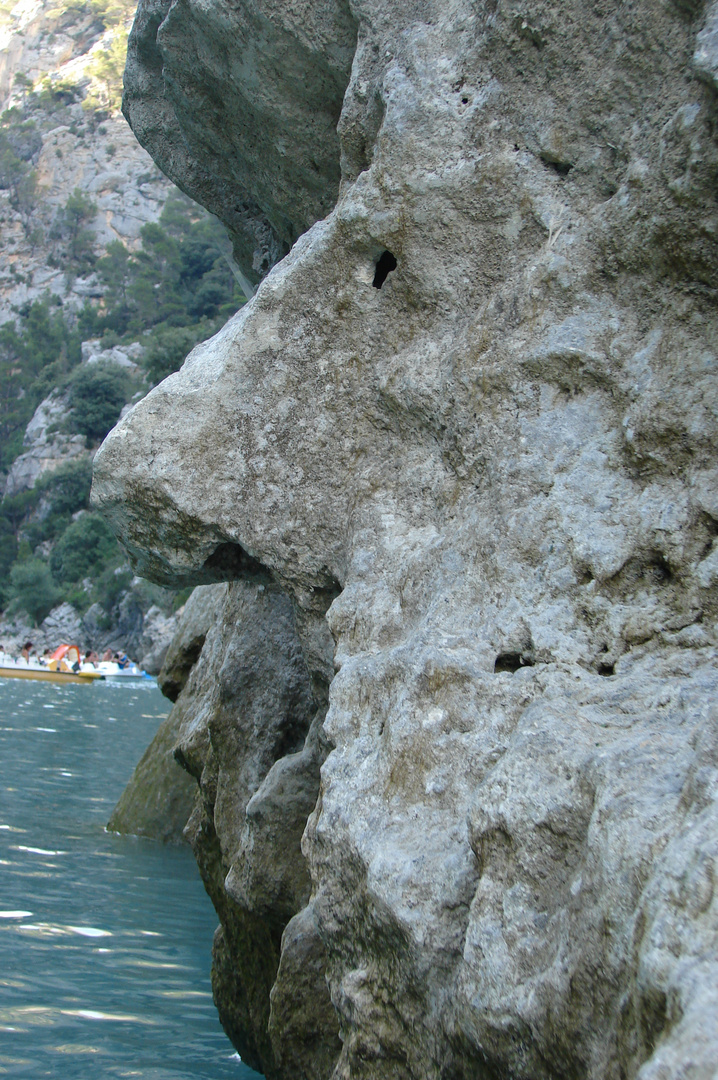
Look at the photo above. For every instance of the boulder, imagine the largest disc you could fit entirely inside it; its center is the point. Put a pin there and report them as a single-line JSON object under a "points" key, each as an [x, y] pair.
{"points": [[63, 626], [124, 356], [158, 630], [464, 435], [189, 101]]}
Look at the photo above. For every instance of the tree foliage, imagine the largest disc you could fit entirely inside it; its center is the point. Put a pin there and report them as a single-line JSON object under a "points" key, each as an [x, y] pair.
{"points": [[85, 547], [33, 359], [180, 277], [97, 394], [71, 227], [32, 588]]}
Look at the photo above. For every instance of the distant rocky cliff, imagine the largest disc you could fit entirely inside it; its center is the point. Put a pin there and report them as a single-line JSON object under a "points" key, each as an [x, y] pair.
{"points": [[55, 47], [455, 729]]}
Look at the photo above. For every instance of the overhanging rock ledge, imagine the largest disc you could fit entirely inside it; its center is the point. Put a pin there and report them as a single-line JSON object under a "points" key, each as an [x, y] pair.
{"points": [[491, 475]]}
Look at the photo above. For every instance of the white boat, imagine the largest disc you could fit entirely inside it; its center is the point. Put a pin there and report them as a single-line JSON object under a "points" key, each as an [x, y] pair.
{"points": [[111, 670]]}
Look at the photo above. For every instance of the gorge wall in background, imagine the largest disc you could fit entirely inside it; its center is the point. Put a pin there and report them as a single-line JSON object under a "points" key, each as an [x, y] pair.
{"points": [[109, 277], [454, 726]]}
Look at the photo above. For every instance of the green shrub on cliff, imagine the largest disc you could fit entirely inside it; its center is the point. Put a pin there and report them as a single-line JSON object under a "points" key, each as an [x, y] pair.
{"points": [[85, 548], [67, 488], [180, 279], [71, 229], [97, 394], [32, 589], [33, 359], [106, 71], [56, 497]]}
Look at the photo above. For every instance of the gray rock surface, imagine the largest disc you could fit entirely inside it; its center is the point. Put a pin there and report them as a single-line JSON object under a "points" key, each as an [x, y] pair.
{"points": [[247, 723], [61, 626], [273, 102], [498, 473], [159, 797], [194, 620], [45, 445], [39, 40], [158, 631], [125, 356]]}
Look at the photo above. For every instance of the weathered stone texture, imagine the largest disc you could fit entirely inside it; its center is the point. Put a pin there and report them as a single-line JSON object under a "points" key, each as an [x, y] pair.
{"points": [[247, 728], [199, 614], [159, 797], [498, 473]]}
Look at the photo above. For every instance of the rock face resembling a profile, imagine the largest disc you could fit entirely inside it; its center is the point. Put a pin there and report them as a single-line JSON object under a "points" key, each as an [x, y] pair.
{"points": [[457, 459]]}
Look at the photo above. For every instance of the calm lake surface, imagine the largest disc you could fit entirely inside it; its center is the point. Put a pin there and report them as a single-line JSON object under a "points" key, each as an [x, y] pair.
{"points": [[105, 941]]}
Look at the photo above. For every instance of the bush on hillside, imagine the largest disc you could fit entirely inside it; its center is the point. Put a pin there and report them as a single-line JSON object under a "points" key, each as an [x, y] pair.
{"points": [[32, 589], [84, 549], [67, 488], [33, 360], [71, 225], [97, 394], [57, 496], [111, 584], [168, 349]]}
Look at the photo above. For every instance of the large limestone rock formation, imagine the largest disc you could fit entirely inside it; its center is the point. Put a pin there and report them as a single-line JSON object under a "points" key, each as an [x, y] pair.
{"points": [[472, 417]]}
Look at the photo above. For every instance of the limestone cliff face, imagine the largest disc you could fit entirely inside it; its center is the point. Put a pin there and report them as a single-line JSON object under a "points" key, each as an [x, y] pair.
{"points": [[472, 417], [39, 38]]}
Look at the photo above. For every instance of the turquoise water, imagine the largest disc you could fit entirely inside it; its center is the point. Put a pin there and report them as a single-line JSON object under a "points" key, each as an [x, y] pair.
{"points": [[105, 941]]}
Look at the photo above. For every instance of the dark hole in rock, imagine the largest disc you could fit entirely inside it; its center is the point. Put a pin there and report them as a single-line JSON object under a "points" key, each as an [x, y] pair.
{"points": [[464, 101], [606, 669], [512, 661], [561, 168], [658, 571], [230, 561], [384, 266]]}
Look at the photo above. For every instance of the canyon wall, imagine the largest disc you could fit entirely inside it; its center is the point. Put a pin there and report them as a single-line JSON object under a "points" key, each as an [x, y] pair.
{"points": [[455, 728]]}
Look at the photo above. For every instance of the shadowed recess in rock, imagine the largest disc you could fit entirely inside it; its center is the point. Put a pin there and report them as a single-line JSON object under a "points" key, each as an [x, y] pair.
{"points": [[512, 661], [384, 266], [229, 561]]}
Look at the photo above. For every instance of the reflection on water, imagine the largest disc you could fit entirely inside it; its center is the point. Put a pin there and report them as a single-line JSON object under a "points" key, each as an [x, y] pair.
{"points": [[105, 940]]}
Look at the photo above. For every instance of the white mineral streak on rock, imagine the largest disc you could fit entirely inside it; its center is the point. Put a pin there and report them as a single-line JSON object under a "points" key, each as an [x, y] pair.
{"points": [[505, 460]]}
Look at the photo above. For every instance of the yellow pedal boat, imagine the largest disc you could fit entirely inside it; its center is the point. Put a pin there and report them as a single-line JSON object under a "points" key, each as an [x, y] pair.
{"points": [[58, 669]]}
